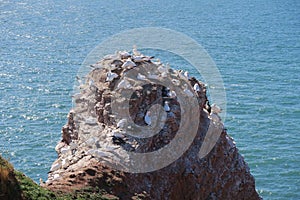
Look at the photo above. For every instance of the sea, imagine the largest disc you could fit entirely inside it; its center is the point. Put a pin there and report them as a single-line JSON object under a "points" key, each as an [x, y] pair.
{"points": [[254, 44]]}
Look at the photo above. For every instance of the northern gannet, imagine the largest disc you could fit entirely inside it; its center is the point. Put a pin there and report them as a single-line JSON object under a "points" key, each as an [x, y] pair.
{"points": [[128, 63], [197, 87], [122, 123], [110, 76], [135, 51], [171, 94], [215, 109], [141, 77], [187, 91], [124, 84], [166, 106], [147, 118], [124, 54]]}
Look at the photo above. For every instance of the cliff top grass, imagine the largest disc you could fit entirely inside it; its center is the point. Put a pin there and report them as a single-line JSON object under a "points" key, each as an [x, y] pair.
{"points": [[15, 185]]}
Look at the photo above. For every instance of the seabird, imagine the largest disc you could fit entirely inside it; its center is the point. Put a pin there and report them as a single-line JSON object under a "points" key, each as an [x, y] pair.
{"points": [[166, 106], [111, 76], [109, 57], [116, 64], [141, 77], [215, 109], [157, 62], [147, 58], [124, 54], [138, 58], [171, 94], [122, 123], [117, 133], [186, 74], [147, 118], [124, 84], [152, 76], [180, 74], [197, 87], [164, 74], [135, 51], [91, 121], [91, 83], [163, 69], [183, 75], [176, 82], [79, 80], [128, 63], [187, 91]]}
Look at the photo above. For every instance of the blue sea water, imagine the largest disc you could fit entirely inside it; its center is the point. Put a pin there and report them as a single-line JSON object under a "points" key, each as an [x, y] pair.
{"points": [[255, 45]]}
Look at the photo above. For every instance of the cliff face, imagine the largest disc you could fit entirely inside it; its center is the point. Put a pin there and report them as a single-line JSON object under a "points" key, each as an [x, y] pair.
{"points": [[110, 128]]}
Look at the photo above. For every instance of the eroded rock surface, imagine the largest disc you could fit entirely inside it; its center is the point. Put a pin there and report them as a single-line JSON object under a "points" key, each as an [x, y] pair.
{"points": [[95, 142]]}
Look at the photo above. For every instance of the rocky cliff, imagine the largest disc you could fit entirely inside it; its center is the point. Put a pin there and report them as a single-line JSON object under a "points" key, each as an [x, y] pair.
{"points": [[119, 137]]}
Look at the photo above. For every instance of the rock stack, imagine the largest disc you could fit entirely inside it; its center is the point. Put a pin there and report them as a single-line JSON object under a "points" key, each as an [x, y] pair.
{"points": [[131, 105]]}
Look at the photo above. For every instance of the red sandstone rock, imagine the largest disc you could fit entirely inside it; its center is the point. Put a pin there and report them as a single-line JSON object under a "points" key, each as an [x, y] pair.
{"points": [[222, 174]]}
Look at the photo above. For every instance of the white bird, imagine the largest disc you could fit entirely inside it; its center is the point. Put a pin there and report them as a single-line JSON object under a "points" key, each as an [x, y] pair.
{"points": [[180, 74], [187, 91], [128, 63], [157, 62], [56, 176], [91, 82], [166, 106], [171, 94], [109, 57], [147, 118], [117, 134], [122, 123], [111, 76], [55, 167], [147, 58], [176, 82], [152, 76], [91, 121], [79, 80], [197, 87], [124, 54], [215, 109], [115, 64], [142, 58], [183, 75], [141, 77], [124, 84], [186, 74], [135, 51], [164, 75], [162, 69], [138, 58]]}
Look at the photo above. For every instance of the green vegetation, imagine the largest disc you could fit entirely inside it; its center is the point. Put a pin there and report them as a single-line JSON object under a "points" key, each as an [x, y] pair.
{"points": [[31, 190], [15, 185]]}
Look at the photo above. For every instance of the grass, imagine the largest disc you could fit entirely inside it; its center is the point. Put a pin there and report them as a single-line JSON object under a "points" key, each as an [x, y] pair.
{"points": [[15, 185]]}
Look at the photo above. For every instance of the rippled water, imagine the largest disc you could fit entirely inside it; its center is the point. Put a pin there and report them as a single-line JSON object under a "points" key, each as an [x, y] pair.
{"points": [[255, 45]]}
